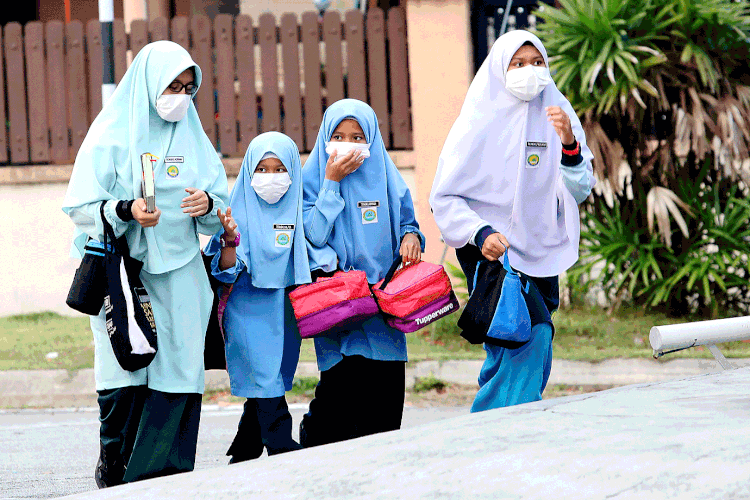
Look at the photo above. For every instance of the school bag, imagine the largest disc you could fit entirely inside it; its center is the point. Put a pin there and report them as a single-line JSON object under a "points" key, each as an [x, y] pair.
{"points": [[496, 312], [129, 317], [411, 297], [214, 355], [331, 304]]}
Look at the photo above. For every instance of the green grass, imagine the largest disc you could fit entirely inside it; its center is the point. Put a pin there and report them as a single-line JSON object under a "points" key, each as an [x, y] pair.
{"points": [[586, 334], [25, 341]]}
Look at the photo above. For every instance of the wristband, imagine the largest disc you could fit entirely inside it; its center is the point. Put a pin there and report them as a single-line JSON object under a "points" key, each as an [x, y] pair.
{"points": [[571, 149], [229, 244], [124, 210]]}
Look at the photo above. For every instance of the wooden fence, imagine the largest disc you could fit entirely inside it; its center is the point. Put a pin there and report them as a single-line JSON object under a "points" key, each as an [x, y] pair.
{"points": [[256, 77]]}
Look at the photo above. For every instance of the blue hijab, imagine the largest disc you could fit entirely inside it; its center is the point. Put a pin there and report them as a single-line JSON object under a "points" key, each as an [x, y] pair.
{"points": [[272, 260], [367, 247], [108, 164]]}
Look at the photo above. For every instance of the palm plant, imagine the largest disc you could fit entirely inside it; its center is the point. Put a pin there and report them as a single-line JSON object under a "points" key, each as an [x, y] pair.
{"points": [[662, 86]]}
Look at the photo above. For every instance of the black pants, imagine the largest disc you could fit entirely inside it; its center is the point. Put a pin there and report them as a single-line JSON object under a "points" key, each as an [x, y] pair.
{"points": [[354, 398], [155, 433]]}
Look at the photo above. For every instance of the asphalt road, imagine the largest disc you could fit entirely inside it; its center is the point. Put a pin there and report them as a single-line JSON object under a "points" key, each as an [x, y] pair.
{"points": [[52, 453]]}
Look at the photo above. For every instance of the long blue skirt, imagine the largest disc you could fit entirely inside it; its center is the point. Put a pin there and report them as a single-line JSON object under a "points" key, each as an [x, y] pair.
{"points": [[514, 376]]}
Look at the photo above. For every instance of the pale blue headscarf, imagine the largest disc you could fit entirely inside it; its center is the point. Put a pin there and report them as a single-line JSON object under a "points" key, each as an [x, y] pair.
{"points": [[371, 248], [270, 266], [108, 164]]}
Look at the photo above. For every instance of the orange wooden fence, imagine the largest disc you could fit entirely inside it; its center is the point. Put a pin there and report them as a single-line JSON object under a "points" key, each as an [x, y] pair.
{"points": [[257, 77]]}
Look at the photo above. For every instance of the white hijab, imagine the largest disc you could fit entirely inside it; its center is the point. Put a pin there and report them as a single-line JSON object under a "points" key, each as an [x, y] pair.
{"points": [[485, 174]]}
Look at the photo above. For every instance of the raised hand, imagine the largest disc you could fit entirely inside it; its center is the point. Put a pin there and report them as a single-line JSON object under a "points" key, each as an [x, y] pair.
{"points": [[230, 226], [561, 122], [337, 170]]}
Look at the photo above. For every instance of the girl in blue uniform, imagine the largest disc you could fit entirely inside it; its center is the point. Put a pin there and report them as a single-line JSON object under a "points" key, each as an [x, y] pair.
{"points": [[149, 418], [357, 203], [262, 340], [512, 171]]}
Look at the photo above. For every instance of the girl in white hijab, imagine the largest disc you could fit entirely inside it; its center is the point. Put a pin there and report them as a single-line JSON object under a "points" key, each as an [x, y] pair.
{"points": [[510, 176]]}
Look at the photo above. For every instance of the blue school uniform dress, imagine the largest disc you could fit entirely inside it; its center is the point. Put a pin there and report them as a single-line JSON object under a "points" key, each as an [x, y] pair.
{"points": [[362, 219], [108, 169], [261, 335], [336, 215], [502, 170]]}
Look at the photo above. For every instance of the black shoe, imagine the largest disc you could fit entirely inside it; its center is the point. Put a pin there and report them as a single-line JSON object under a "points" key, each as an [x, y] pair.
{"points": [[247, 444], [276, 425], [108, 472]]}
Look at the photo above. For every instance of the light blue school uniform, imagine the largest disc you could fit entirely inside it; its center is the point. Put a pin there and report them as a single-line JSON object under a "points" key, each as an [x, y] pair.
{"points": [[336, 216], [262, 341], [108, 169]]}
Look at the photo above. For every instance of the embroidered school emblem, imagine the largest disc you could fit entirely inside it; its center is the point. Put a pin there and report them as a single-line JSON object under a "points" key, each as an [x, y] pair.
{"points": [[173, 171], [533, 160], [369, 215], [282, 239]]}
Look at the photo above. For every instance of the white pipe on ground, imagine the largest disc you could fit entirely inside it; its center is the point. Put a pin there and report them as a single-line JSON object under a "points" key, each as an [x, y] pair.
{"points": [[675, 337]]}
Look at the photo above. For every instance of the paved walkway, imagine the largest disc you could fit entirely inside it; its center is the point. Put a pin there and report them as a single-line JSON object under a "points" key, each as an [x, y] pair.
{"points": [[683, 439], [59, 388]]}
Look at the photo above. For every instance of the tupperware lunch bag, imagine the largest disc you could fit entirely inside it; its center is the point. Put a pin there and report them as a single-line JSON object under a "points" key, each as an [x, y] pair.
{"points": [[414, 296], [331, 304]]}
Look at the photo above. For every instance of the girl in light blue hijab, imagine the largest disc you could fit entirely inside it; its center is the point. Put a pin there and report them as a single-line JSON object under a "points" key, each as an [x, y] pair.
{"points": [[262, 254], [357, 203], [149, 417]]}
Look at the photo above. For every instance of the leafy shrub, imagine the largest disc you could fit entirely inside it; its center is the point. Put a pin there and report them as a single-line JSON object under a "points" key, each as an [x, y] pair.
{"points": [[429, 383], [706, 271]]}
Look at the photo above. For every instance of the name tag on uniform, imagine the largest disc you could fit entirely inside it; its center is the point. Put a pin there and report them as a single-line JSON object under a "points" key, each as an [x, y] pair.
{"points": [[369, 211], [283, 238], [173, 165], [536, 144]]}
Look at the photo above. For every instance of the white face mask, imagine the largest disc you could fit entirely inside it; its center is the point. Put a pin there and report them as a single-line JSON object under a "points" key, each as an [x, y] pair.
{"points": [[271, 186], [173, 107], [342, 148], [528, 82]]}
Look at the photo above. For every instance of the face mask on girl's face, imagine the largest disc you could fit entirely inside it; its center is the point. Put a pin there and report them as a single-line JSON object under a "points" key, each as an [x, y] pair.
{"points": [[528, 82], [173, 107], [342, 148], [271, 186]]}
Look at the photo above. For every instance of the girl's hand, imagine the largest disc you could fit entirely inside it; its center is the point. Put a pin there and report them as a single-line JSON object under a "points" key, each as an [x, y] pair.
{"points": [[561, 122], [145, 219], [411, 250], [337, 170], [230, 226], [196, 204], [494, 246]]}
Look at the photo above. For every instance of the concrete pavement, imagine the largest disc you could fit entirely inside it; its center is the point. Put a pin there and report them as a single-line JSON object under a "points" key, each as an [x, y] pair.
{"points": [[684, 439], [52, 452], [60, 388]]}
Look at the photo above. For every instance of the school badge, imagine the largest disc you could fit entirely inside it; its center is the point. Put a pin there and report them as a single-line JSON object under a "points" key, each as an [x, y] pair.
{"points": [[533, 160], [369, 211]]}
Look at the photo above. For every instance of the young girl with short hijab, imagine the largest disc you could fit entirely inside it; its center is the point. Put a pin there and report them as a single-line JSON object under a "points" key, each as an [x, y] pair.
{"points": [[149, 417], [357, 203], [511, 174], [263, 253]]}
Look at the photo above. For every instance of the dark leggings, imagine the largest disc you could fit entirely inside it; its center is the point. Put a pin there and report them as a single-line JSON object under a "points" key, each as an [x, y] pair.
{"points": [[354, 398], [154, 433]]}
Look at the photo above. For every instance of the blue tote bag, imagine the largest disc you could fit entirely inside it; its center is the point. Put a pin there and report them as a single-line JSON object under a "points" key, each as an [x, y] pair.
{"points": [[496, 312], [511, 321]]}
